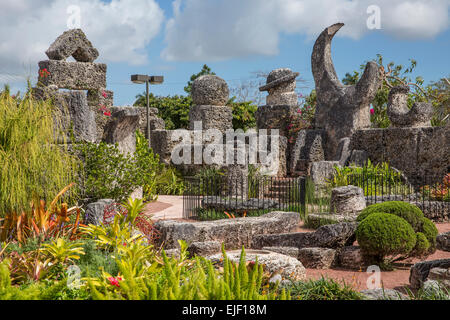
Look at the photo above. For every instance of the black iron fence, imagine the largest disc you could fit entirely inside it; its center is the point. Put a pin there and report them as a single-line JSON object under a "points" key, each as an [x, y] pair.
{"points": [[430, 193], [224, 197]]}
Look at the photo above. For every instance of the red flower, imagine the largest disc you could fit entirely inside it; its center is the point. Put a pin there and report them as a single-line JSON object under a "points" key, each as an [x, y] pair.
{"points": [[372, 111], [114, 281], [104, 94], [44, 73], [107, 113]]}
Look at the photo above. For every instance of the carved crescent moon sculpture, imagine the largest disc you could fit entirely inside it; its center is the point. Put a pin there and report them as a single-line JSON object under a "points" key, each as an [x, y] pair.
{"points": [[340, 109]]}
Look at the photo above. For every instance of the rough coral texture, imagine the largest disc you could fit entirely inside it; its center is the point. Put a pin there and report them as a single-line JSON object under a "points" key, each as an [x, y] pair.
{"points": [[308, 148], [329, 236], [417, 152], [73, 75], [72, 43], [419, 272], [400, 115], [274, 263], [288, 251], [317, 258], [347, 200], [321, 171], [443, 241], [210, 90], [275, 117], [122, 127], [351, 257], [95, 211], [211, 117], [340, 110], [281, 87], [234, 233], [204, 248]]}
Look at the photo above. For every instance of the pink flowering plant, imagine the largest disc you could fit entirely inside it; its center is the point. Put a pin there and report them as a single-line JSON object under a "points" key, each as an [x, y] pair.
{"points": [[303, 116]]}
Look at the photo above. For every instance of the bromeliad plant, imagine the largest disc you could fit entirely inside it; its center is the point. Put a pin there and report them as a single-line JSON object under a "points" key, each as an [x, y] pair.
{"points": [[62, 251], [42, 222], [116, 230]]}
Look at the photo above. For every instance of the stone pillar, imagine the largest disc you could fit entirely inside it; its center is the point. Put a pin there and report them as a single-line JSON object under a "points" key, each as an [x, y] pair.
{"points": [[281, 103], [210, 95]]}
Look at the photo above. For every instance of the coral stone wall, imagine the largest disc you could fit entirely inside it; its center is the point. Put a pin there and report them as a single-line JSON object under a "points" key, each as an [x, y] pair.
{"points": [[417, 152]]}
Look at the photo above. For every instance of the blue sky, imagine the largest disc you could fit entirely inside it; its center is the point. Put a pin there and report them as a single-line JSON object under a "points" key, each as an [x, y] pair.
{"points": [[235, 38]]}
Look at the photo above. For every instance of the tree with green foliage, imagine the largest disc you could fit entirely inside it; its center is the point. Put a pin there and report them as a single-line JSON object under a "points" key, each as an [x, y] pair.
{"points": [[174, 110], [205, 70]]}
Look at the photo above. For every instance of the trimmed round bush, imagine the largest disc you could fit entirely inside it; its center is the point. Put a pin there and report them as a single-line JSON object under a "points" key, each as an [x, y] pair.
{"points": [[422, 245], [384, 234], [405, 210], [430, 232]]}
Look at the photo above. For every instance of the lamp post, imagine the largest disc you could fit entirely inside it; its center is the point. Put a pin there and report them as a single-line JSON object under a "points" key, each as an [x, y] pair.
{"points": [[140, 79]]}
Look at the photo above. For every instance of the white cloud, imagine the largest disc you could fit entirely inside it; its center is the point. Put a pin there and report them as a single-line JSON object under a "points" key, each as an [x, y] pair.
{"points": [[222, 29], [119, 29]]}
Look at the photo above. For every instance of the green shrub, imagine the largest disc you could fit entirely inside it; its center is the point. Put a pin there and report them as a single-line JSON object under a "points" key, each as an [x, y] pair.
{"points": [[385, 234], [405, 210], [109, 174], [422, 245], [430, 232], [323, 289]]}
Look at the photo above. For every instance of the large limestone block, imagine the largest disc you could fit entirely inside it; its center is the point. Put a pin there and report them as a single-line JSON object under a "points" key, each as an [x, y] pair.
{"points": [[72, 43], [210, 90], [74, 75], [275, 117], [401, 147], [329, 236], [204, 248], [308, 148], [371, 141], [122, 127], [351, 257], [347, 200], [212, 117], [274, 263], [234, 233], [95, 211], [433, 151], [383, 294], [443, 241], [317, 258], [80, 117], [419, 272], [321, 171]]}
